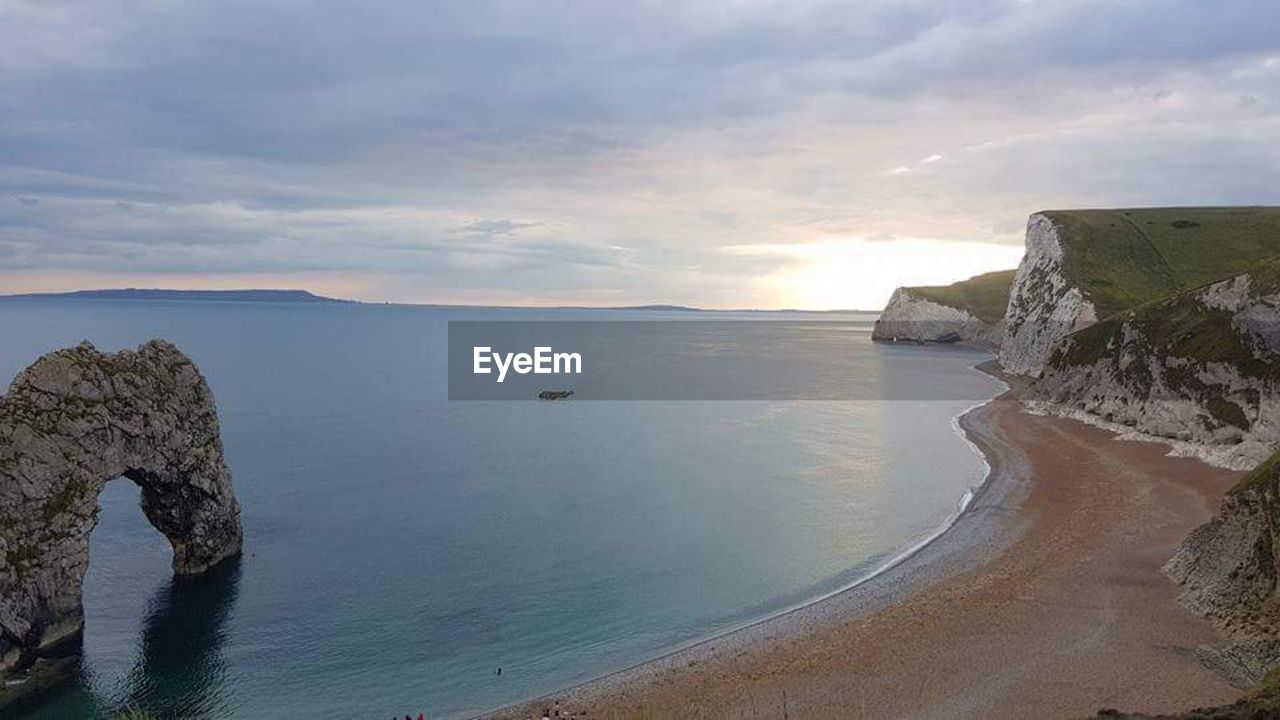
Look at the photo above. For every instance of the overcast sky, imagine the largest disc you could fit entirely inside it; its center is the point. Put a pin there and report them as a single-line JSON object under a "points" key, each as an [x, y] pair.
{"points": [[724, 154]]}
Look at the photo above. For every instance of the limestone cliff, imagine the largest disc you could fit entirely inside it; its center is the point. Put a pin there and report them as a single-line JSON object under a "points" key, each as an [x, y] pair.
{"points": [[970, 311], [1201, 369], [71, 422], [1045, 305]]}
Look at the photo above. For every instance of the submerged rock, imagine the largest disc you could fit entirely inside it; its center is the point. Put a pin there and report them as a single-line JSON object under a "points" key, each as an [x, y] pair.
{"points": [[71, 422], [555, 394]]}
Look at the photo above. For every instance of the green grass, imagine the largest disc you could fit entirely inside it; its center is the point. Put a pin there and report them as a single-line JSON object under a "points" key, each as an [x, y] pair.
{"points": [[1125, 258], [984, 296]]}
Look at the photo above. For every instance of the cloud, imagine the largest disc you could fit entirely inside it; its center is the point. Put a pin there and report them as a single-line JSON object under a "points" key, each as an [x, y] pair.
{"points": [[510, 148], [493, 227]]}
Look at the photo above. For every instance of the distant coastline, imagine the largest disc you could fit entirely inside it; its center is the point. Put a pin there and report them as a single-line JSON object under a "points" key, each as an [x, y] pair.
{"points": [[289, 296], [306, 296]]}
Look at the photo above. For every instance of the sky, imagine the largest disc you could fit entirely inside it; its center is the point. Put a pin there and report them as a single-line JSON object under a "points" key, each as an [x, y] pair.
{"points": [[718, 154]]}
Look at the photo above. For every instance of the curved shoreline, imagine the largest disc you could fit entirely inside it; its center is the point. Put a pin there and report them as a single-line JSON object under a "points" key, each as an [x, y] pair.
{"points": [[984, 525]]}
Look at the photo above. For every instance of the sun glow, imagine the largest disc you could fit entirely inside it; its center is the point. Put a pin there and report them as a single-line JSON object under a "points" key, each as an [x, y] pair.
{"points": [[857, 273]]}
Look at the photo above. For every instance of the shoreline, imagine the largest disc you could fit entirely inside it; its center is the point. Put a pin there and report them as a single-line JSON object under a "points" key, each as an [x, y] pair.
{"points": [[1060, 547], [975, 540]]}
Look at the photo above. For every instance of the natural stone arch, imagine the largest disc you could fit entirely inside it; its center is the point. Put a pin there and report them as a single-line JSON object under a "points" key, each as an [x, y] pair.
{"points": [[71, 422]]}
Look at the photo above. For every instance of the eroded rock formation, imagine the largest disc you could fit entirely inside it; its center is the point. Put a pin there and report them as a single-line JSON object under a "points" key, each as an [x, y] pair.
{"points": [[1228, 570], [71, 422]]}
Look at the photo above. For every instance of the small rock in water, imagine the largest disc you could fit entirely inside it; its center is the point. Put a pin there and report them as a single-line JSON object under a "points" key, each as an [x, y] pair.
{"points": [[554, 394]]}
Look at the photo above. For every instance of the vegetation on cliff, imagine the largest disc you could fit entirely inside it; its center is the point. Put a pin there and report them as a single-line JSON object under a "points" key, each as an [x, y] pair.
{"points": [[1182, 326], [1124, 258], [983, 296]]}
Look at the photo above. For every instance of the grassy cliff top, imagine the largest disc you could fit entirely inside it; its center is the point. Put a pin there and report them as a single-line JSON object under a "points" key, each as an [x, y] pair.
{"points": [[984, 296], [1124, 258]]}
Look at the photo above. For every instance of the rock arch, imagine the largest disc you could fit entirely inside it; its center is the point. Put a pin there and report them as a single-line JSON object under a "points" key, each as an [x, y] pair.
{"points": [[72, 421]]}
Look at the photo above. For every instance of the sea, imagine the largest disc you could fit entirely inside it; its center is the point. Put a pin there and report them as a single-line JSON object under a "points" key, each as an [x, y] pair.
{"points": [[407, 553]]}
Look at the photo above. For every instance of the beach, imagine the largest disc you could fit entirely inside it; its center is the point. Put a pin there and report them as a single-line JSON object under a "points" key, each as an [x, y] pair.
{"points": [[1044, 599]]}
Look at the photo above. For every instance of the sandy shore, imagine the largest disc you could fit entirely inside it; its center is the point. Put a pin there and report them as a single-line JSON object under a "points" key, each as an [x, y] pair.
{"points": [[1044, 600]]}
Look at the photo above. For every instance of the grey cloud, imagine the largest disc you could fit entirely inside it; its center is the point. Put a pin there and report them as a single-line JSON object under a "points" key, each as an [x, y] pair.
{"points": [[329, 82], [341, 136], [493, 227]]}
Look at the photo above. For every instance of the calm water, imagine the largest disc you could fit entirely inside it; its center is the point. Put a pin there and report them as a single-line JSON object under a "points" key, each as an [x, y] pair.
{"points": [[400, 548]]}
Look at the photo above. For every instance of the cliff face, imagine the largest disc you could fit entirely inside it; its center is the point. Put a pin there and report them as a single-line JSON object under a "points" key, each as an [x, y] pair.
{"points": [[913, 318], [1165, 323], [1044, 304], [1085, 265], [69, 423], [970, 311], [1200, 368], [1228, 571]]}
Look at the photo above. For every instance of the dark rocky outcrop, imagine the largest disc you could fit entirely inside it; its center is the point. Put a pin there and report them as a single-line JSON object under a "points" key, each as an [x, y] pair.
{"points": [[1228, 570], [71, 422]]}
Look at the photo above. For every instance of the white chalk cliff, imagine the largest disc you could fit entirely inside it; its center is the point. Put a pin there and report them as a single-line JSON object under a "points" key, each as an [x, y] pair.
{"points": [[913, 318], [1044, 305], [1198, 369]]}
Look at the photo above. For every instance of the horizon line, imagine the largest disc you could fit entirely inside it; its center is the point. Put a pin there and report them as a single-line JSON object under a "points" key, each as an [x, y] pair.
{"points": [[324, 298]]}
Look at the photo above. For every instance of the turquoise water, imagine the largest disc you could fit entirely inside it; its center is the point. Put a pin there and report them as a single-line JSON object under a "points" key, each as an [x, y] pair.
{"points": [[399, 548]]}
